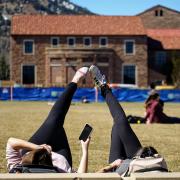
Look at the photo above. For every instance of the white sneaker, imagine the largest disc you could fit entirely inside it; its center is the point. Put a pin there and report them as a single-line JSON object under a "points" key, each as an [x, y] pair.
{"points": [[99, 79], [83, 70], [80, 73]]}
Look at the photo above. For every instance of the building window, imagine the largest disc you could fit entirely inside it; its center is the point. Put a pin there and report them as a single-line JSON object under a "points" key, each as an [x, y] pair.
{"points": [[160, 58], [103, 42], [87, 42], [28, 47], [28, 74], [158, 12], [54, 41], [129, 47], [71, 41], [129, 74], [161, 13]]}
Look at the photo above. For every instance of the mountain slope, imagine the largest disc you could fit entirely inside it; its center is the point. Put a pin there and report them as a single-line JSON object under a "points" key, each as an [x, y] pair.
{"points": [[41, 7]]}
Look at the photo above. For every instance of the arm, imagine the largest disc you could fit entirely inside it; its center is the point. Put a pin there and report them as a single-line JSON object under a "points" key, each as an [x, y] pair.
{"points": [[111, 166], [152, 112], [14, 145], [83, 166], [151, 117], [147, 108], [18, 144], [146, 115]]}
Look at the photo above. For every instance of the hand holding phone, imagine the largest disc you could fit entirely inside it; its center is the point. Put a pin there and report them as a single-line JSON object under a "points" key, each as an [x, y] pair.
{"points": [[86, 132]]}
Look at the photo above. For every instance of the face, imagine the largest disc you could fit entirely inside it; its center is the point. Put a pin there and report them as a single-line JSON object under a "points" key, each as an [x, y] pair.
{"points": [[27, 158]]}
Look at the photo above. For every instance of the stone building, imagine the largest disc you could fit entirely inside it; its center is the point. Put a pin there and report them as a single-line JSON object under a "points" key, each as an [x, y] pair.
{"points": [[47, 49], [160, 17], [163, 31]]}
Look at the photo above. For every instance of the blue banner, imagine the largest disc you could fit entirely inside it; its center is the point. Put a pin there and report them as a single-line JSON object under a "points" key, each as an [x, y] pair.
{"points": [[51, 94]]}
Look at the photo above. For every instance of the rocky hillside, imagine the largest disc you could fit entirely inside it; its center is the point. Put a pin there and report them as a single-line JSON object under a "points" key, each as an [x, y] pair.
{"points": [[41, 7], [11, 7]]}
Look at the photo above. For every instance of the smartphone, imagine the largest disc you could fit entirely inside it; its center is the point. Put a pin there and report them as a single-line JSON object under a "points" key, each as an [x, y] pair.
{"points": [[85, 132]]}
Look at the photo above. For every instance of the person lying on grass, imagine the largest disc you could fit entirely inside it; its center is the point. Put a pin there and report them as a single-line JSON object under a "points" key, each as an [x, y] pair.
{"points": [[125, 146], [49, 144]]}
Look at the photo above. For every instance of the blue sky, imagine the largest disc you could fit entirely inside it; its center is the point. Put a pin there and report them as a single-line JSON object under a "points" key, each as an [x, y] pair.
{"points": [[124, 7]]}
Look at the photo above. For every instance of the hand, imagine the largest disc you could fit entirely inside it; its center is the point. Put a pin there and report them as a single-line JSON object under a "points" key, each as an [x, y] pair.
{"points": [[148, 121], [47, 147], [85, 144], [110, 167], [117, 163]]}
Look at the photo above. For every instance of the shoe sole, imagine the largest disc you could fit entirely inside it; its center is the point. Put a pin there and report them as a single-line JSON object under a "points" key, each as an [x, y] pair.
{"points": [[94, 71]]}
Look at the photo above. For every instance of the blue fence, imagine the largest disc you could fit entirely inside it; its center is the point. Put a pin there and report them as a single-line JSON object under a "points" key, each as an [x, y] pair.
{"points": [[51, 94]]}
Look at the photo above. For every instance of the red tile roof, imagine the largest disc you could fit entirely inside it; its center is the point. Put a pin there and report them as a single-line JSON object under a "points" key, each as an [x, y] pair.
{"points": [[169, 38], [76, 25]]}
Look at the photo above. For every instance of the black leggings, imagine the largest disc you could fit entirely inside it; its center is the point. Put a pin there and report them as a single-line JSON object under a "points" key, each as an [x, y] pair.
{"points": [[124, 142], [51, 132]]}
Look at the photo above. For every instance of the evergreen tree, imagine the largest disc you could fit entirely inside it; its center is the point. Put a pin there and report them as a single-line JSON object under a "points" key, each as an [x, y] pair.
{"points": [[4, 69], [176, 69]]}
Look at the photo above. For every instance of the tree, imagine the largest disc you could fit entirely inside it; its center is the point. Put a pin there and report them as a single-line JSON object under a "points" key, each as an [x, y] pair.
{"points": [[176, 69], [4, 69]]}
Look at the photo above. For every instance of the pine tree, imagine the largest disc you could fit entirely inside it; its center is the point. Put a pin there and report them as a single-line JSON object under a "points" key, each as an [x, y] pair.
{"points": [[176, 69], [4, 69]]}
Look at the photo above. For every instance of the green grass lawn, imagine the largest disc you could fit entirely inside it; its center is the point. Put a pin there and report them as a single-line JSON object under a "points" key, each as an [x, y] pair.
{"points": [[21, 119]]}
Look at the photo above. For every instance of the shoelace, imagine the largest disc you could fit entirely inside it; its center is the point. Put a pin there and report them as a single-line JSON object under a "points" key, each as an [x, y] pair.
{"points": [[100, 82]]}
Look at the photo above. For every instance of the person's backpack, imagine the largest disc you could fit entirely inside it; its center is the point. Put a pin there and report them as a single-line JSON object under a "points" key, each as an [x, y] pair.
{"points": [[147, 164], [30, 168]]}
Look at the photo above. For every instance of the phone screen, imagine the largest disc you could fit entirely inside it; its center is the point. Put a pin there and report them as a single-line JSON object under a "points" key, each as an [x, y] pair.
{"points": [[86, 132]]}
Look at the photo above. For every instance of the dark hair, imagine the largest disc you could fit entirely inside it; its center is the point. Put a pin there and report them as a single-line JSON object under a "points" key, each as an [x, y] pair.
{"points": [[147, 151], [152, 97], [38, 157], [152, 85]]}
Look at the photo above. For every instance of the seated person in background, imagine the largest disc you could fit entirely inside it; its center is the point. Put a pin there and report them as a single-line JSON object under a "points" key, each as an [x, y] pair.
{"points": [[153, 89], [49, 144], [154, 110]]}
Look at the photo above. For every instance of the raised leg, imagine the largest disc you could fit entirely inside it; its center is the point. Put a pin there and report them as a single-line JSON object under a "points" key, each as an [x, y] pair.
{"points": [[51, 132], [124, 142]]}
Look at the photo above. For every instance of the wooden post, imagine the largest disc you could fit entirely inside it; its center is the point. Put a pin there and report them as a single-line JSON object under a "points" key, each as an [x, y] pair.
{"points": [[11, 92]]}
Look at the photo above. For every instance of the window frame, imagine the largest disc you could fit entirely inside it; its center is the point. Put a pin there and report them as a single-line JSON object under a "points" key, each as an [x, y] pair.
{"points": [[74, 39], [160, 62], [33, 47], [134, 47], [35, 73], [58, 40], [103, 46], [136, 69], [90, 39]]}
